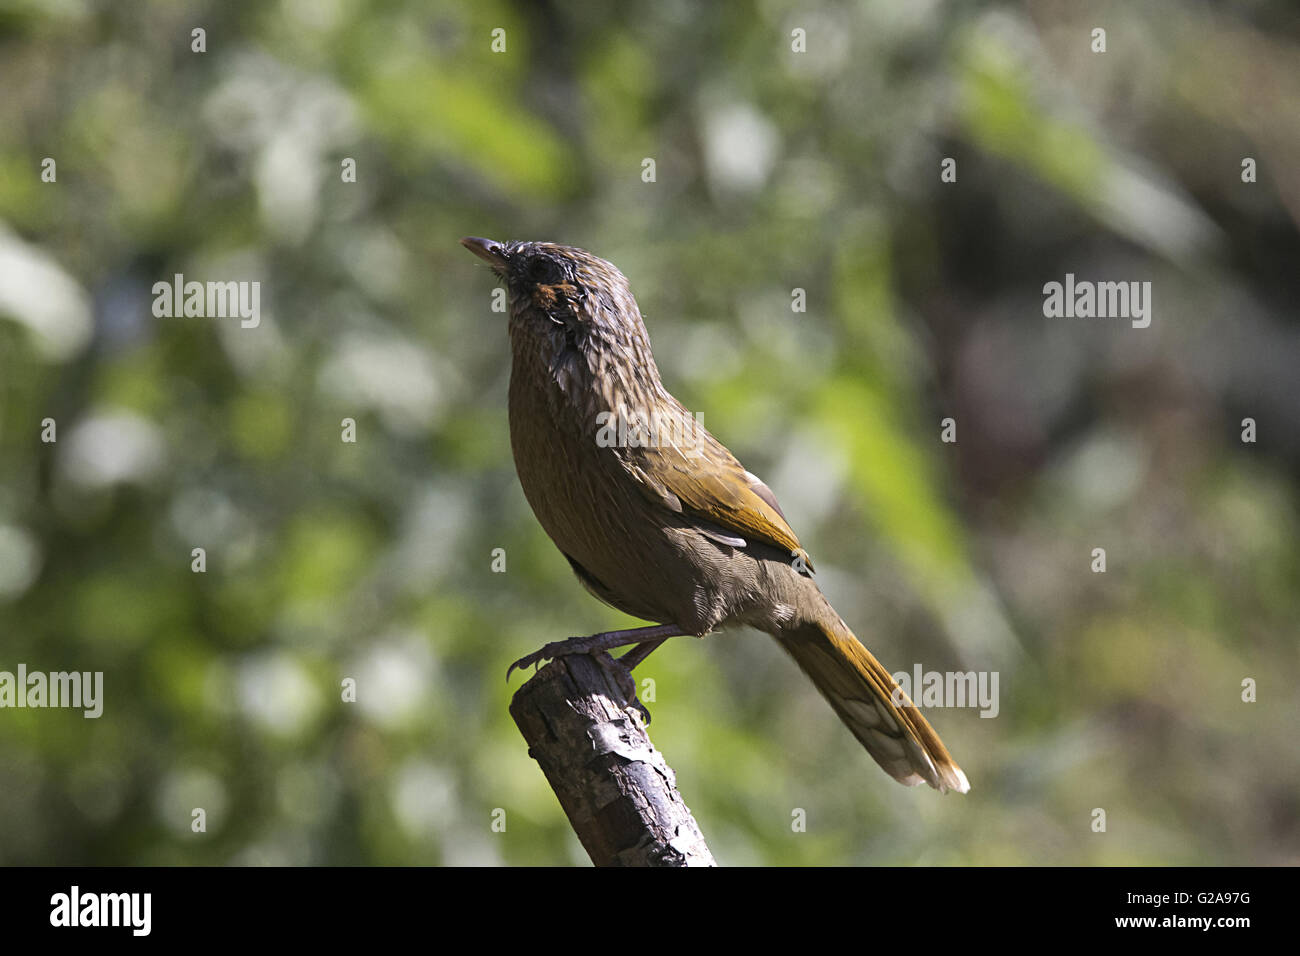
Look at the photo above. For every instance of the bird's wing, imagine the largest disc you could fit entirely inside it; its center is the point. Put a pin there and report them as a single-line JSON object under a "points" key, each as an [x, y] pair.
{"points": [[701, 478]]}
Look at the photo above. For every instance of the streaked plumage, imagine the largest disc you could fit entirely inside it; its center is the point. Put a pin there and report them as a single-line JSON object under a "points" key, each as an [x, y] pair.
{"points": [[672, 531]]}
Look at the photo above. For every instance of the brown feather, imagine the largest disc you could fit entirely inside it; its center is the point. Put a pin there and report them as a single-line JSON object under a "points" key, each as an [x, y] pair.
{"points": [[671, 529]]}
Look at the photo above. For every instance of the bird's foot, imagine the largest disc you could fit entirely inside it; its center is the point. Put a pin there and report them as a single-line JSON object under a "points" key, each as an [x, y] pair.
{"points": [[549, 652], [654, 635], [597, 646], [619, 669]]}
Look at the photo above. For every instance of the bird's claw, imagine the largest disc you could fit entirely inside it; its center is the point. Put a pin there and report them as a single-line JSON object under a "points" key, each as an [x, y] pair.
{"points": [[549, 652], [641, 709], [623, 678], [529, 660]]}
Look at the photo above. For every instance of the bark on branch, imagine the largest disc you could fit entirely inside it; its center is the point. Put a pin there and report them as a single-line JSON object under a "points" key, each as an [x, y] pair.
{"points": [[618, 792]]}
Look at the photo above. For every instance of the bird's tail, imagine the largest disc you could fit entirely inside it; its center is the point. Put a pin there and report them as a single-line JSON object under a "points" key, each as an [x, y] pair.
{"points": [[864, 695]]}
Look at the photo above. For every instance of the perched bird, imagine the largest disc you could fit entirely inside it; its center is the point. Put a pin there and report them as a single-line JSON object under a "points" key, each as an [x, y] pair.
{"points": [[655, 516]]}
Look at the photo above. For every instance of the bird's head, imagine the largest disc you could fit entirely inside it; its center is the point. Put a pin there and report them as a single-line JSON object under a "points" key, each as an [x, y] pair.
{"points": [[560, 282], [567, 305]]}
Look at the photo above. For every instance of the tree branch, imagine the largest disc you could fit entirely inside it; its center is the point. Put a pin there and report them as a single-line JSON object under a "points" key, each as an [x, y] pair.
{"points": [[618, 792]]}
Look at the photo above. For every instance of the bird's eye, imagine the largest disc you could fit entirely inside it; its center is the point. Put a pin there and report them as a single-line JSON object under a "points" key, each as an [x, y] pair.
{"points": [[544, 271]]}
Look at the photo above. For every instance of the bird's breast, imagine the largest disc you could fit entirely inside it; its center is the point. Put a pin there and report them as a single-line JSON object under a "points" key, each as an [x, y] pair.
{"points": [[569, 480], [591, 506]]}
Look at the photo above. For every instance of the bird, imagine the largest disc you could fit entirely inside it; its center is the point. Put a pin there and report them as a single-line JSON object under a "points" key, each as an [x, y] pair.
{"points": [[655, 516]]}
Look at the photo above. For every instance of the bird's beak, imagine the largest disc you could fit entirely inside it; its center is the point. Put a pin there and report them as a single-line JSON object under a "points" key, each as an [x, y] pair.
{"points": [[490, 251]]}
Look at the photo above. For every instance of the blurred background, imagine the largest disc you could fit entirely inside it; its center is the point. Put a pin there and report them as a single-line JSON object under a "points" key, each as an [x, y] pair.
{"points": [[775, 170]]}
